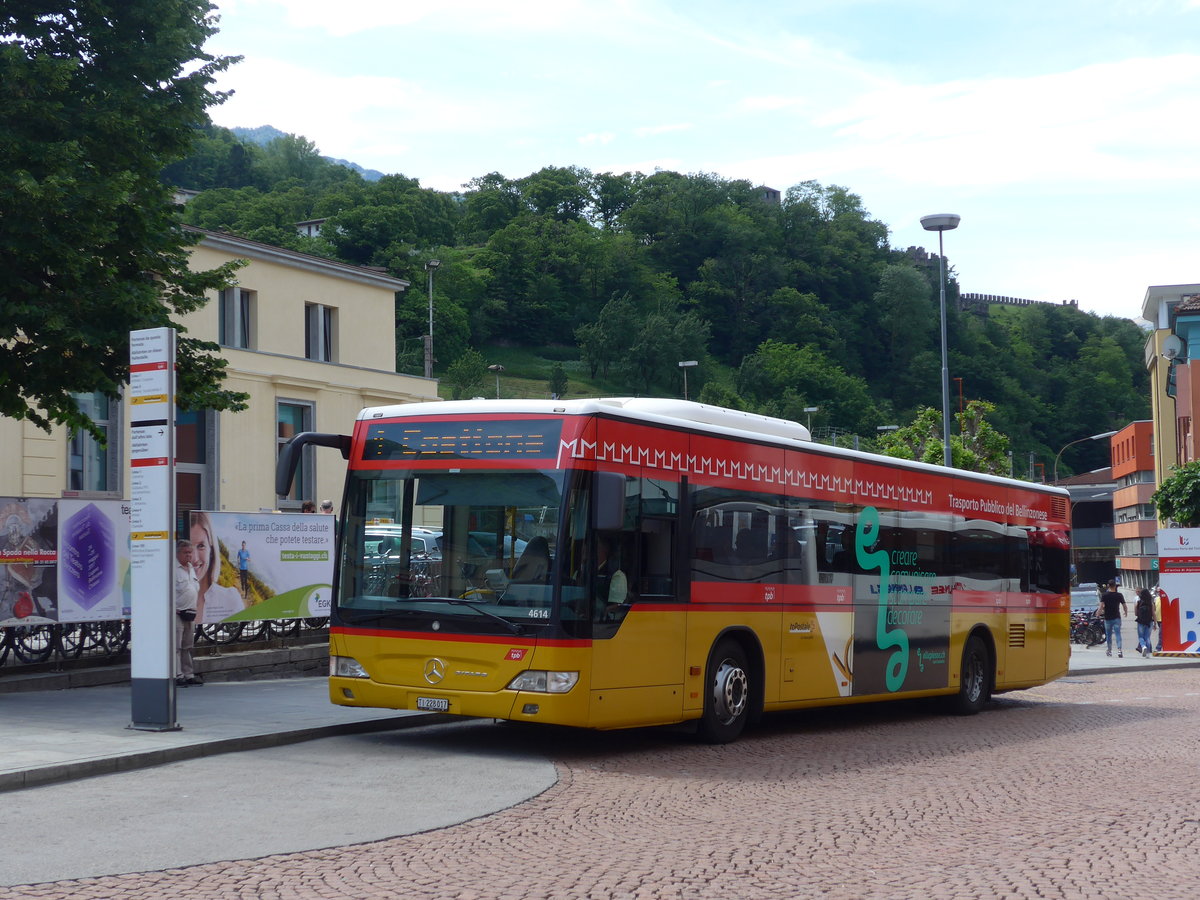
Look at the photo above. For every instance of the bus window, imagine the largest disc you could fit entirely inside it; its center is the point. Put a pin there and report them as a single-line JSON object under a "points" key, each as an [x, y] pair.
{"points": [[739, 536], [490, 538]]}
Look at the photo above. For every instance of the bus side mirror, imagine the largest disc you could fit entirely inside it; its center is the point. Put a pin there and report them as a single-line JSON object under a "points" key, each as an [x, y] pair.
{"points": [[289, 456], [608, 501]]}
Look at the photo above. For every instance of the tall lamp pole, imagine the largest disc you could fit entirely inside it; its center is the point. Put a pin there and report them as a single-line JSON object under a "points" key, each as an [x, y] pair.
{"points": [[685, 365], [939, 223], [497, 368], [1090, 437], [430, 267]]}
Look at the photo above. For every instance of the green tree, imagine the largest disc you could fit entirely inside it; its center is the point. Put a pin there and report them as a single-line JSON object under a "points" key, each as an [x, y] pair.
{"points": [[782, 379], [603, 343], [1178, 497], [978, 447], [909, 322], [95, 99], [558, 382], [466, 374]]}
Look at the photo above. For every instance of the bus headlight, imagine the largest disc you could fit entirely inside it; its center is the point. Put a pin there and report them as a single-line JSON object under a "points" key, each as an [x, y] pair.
{"points": [[544, 682], [346, 667]]}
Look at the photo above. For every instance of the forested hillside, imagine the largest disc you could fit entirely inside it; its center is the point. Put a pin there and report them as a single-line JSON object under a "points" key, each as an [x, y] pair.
{"points": [[785, 305]]}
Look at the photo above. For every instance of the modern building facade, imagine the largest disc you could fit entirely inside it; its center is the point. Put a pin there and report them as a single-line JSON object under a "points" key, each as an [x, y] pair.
{"points": [[1167, 360], [312, 341], [1135, 521], [1093, 544]]}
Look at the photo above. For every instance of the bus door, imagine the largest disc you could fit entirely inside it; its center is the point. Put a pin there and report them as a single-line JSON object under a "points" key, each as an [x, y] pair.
{"points": [[818, 632], [1042, 557], [637, 617]]}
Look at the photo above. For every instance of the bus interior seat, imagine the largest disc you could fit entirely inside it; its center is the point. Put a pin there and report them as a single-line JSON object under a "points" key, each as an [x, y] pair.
{"points": [[751, 545], [534, 564]]}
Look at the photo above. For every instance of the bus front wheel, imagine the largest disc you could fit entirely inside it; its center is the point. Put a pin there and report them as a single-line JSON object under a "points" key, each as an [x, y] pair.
{"points": [[727, 695], [975, 678]]}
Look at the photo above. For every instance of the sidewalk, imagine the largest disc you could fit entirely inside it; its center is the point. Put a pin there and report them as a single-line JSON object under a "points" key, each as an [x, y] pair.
{"points": [[60, 735], [50, 736]]}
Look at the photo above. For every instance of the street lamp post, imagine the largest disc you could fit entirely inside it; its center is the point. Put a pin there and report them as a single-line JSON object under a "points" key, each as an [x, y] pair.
{"points": [[939, 223], [497, 368], [1090, 437], [430, 267], [685, 365]]}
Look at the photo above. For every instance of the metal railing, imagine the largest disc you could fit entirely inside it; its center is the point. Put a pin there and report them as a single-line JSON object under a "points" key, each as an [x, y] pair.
{"points": [[101, 642]]}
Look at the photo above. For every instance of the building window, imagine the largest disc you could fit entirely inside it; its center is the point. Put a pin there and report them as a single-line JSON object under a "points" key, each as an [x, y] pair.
{"points": [[1147, 546], [236, 315], [293, 417], [91, 467], [320, 332]]}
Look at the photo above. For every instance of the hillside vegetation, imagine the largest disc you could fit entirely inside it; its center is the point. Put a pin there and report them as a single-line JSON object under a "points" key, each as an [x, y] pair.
{"points": [[618, 277]]}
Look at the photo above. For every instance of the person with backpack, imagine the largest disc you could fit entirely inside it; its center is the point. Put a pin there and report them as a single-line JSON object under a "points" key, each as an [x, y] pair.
{"points": [[1143, 612], [1111, 604]]}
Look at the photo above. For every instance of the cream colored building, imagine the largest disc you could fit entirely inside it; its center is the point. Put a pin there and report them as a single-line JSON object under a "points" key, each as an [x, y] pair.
{"points": [[1168, 365], [312, 341]]}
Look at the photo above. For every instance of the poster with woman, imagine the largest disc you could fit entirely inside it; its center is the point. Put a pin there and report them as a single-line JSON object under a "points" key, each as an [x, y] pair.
{"points": [[262, 565]]}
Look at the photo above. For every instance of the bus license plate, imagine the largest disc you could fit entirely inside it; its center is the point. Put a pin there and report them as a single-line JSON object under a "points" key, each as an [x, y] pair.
{"points": [[434, 704]]}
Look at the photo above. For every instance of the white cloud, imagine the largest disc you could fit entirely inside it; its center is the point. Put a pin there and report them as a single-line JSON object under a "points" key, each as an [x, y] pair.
{"points": [[654, 130], [1133, 120], [362, 117], [348, 17], [605, 137], [770, 103]]}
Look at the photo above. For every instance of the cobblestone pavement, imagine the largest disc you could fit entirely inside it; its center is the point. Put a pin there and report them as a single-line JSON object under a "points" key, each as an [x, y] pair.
{"points": [[1046, 795]]}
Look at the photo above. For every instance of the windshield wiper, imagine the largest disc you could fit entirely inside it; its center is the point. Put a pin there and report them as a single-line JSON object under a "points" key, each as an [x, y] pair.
{"points": [[375, 617], [514, 627]]}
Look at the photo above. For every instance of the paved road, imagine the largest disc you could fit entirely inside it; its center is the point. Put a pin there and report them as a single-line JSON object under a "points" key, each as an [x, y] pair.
{"points": [[330, 792], [887, 801]]}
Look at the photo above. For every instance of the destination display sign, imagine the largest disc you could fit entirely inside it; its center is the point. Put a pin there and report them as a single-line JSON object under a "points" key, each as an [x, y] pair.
{"points": [[443, 440]]}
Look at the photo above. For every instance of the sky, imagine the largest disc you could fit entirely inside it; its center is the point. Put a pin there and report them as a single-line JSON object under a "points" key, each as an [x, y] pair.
{"points": [[1063, 132]]}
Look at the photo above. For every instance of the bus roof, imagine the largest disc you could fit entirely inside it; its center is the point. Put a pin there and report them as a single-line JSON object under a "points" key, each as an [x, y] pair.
{"points": [[677, 413]]}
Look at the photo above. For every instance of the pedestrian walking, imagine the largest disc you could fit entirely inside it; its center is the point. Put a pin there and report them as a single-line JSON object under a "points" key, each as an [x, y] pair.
{"points": [[1143, 612], [1111, 604], [1158, 601]]}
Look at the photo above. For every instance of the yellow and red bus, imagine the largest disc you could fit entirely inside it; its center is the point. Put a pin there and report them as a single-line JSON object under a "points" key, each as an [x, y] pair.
{"points": [[612, 563]]}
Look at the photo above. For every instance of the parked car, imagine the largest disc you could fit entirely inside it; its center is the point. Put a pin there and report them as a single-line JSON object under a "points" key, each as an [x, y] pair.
{"points": [[380, 540], [1085, 596], [429, 542], [487, 541]]}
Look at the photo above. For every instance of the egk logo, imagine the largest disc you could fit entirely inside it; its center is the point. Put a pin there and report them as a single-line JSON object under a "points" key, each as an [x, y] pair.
{"points": [[865, 535]]}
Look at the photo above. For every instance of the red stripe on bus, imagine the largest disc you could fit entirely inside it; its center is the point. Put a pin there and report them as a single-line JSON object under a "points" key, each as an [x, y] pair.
{"points": [[507, 639]]}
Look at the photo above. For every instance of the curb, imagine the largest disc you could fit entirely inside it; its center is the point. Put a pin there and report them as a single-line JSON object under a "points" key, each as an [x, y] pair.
{"points": [[1138, 667], [108, 765]]}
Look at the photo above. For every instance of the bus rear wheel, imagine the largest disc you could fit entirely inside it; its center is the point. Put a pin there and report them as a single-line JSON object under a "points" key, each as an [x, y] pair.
{"points": [[975, 678], [727, 695]]}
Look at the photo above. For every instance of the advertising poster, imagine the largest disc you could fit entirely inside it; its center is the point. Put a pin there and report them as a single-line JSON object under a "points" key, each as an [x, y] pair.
{"points": [[93, 560], [28, 561], [1179, 587], [262, 565]]}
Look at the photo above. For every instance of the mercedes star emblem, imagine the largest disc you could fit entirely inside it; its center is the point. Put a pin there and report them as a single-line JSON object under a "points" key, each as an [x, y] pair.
{"points": [[435, 670]]}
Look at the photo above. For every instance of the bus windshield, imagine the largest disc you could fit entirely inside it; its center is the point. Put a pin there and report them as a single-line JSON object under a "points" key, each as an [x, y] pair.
{"points": [[476, 545]]}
